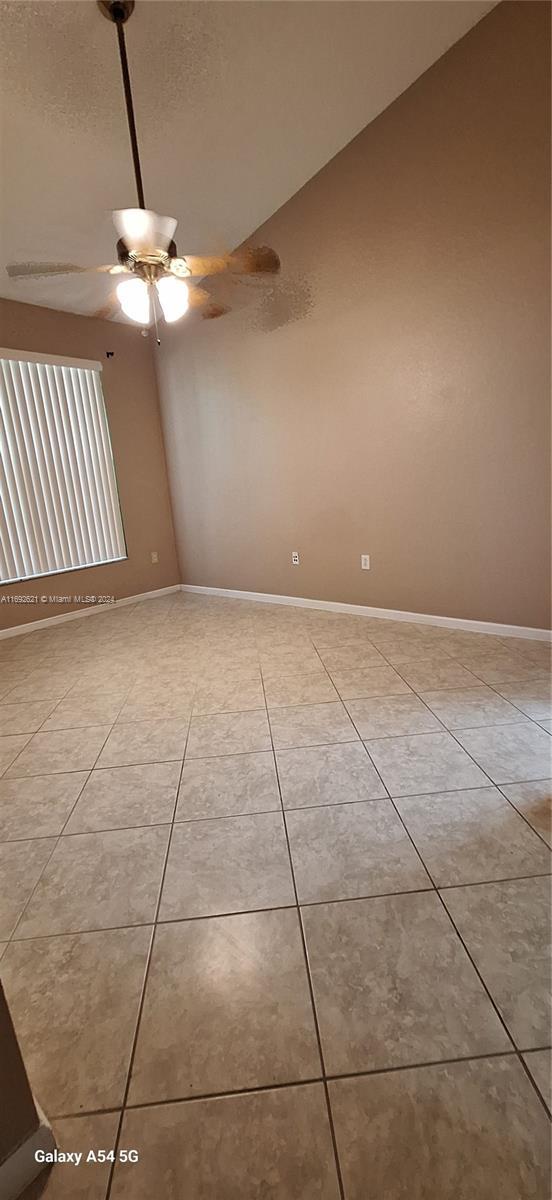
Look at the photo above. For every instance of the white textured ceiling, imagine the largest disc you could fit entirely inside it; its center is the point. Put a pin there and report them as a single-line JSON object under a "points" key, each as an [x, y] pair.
{"points": [[237, 105]]}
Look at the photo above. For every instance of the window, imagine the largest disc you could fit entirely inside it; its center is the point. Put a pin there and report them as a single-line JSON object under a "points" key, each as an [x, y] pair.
{"points": [[59, 506]]}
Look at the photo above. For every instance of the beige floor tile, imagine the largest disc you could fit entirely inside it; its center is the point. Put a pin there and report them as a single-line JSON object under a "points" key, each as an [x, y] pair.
{"points": [[93, 683], [299, 689], [327, 775], [391, 716], [117, 797], [227, 786], [539, 1063], [401, 652], [144, 742], [472, 837], [470, 707], [472, 1130], [49, 681], [433, 676], [369, 681], [477, 645], [6, 685], [534, 697], [351, 656], [228, 733], [334, 639], [506, 928], [510, 753], [427, 762], [289, 661], [211, 673], [394, 986], [297, 658], [534, 802], [62, 750], [38, 807], [228, 695], [74, 1002], [77, 711], [244, 1022], [162, 703], [285, 1148], [10, 747], [14, 670], [311, 725], [25, 717], [498, 668], [539, 654], [87, 1181], [546, 725], [347, 850], [21, 865], [227, 865], [98, 881]]}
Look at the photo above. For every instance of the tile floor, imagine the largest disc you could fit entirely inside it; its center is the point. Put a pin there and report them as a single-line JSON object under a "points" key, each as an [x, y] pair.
{"points": [[276, 902]]}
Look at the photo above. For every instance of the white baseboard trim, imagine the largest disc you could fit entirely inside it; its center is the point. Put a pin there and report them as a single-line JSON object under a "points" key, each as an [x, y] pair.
{"points": [[30, 626], [388, 614], [19, 1170], [359, 610]]}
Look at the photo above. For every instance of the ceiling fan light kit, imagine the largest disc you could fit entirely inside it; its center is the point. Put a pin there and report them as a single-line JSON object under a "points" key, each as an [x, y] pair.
{"points": [[173, 297], [146, 250], [133, 295]]}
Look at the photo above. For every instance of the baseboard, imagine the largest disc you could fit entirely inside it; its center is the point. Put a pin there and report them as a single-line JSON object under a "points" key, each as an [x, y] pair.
{"points": [[30, 626], [359, 610], [387, 614], [21, 1168]]}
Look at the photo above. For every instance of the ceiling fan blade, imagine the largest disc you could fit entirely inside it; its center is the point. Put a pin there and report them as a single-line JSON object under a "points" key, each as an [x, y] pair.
{"points": [[110, 269], [209, 309], [251, 261], [30, 269], [107, 310], [212, 311], [198, 297], [38, 270], [256, 260]]}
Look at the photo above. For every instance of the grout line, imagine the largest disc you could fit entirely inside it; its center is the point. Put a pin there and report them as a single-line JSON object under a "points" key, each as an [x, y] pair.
{"points": [[333, 1077], [544, 1103], [243, 912], [308, 972], [145, 978], [50, 856]]}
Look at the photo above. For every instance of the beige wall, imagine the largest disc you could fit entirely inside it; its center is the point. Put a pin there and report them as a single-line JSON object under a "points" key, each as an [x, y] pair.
{"points": [[130, 391], [393, 397]]}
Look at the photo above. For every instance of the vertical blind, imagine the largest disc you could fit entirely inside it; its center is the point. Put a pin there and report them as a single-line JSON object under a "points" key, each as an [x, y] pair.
{"points": [[59, 506]]}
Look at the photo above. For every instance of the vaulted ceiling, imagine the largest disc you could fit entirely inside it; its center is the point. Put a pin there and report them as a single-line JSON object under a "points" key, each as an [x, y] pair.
{"points": [[237, 104]]}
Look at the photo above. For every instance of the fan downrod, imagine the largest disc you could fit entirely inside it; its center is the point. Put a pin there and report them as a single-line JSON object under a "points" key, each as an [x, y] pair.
{"points": [[117, 11]]}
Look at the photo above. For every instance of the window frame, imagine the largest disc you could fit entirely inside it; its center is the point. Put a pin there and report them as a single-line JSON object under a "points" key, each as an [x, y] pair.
{"points": [[82, 364]]}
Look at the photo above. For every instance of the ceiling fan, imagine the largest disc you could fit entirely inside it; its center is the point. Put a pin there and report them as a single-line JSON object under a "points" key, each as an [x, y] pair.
{"points": [[146, 250]]}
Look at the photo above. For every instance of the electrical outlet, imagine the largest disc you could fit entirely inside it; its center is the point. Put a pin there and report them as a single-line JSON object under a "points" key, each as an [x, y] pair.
{"points": [[295, 558], [154, 556], [365, 562]]}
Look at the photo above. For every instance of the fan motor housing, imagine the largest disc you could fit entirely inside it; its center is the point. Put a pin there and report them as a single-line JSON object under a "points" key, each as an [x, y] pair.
{"points": [[148, 266]]}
